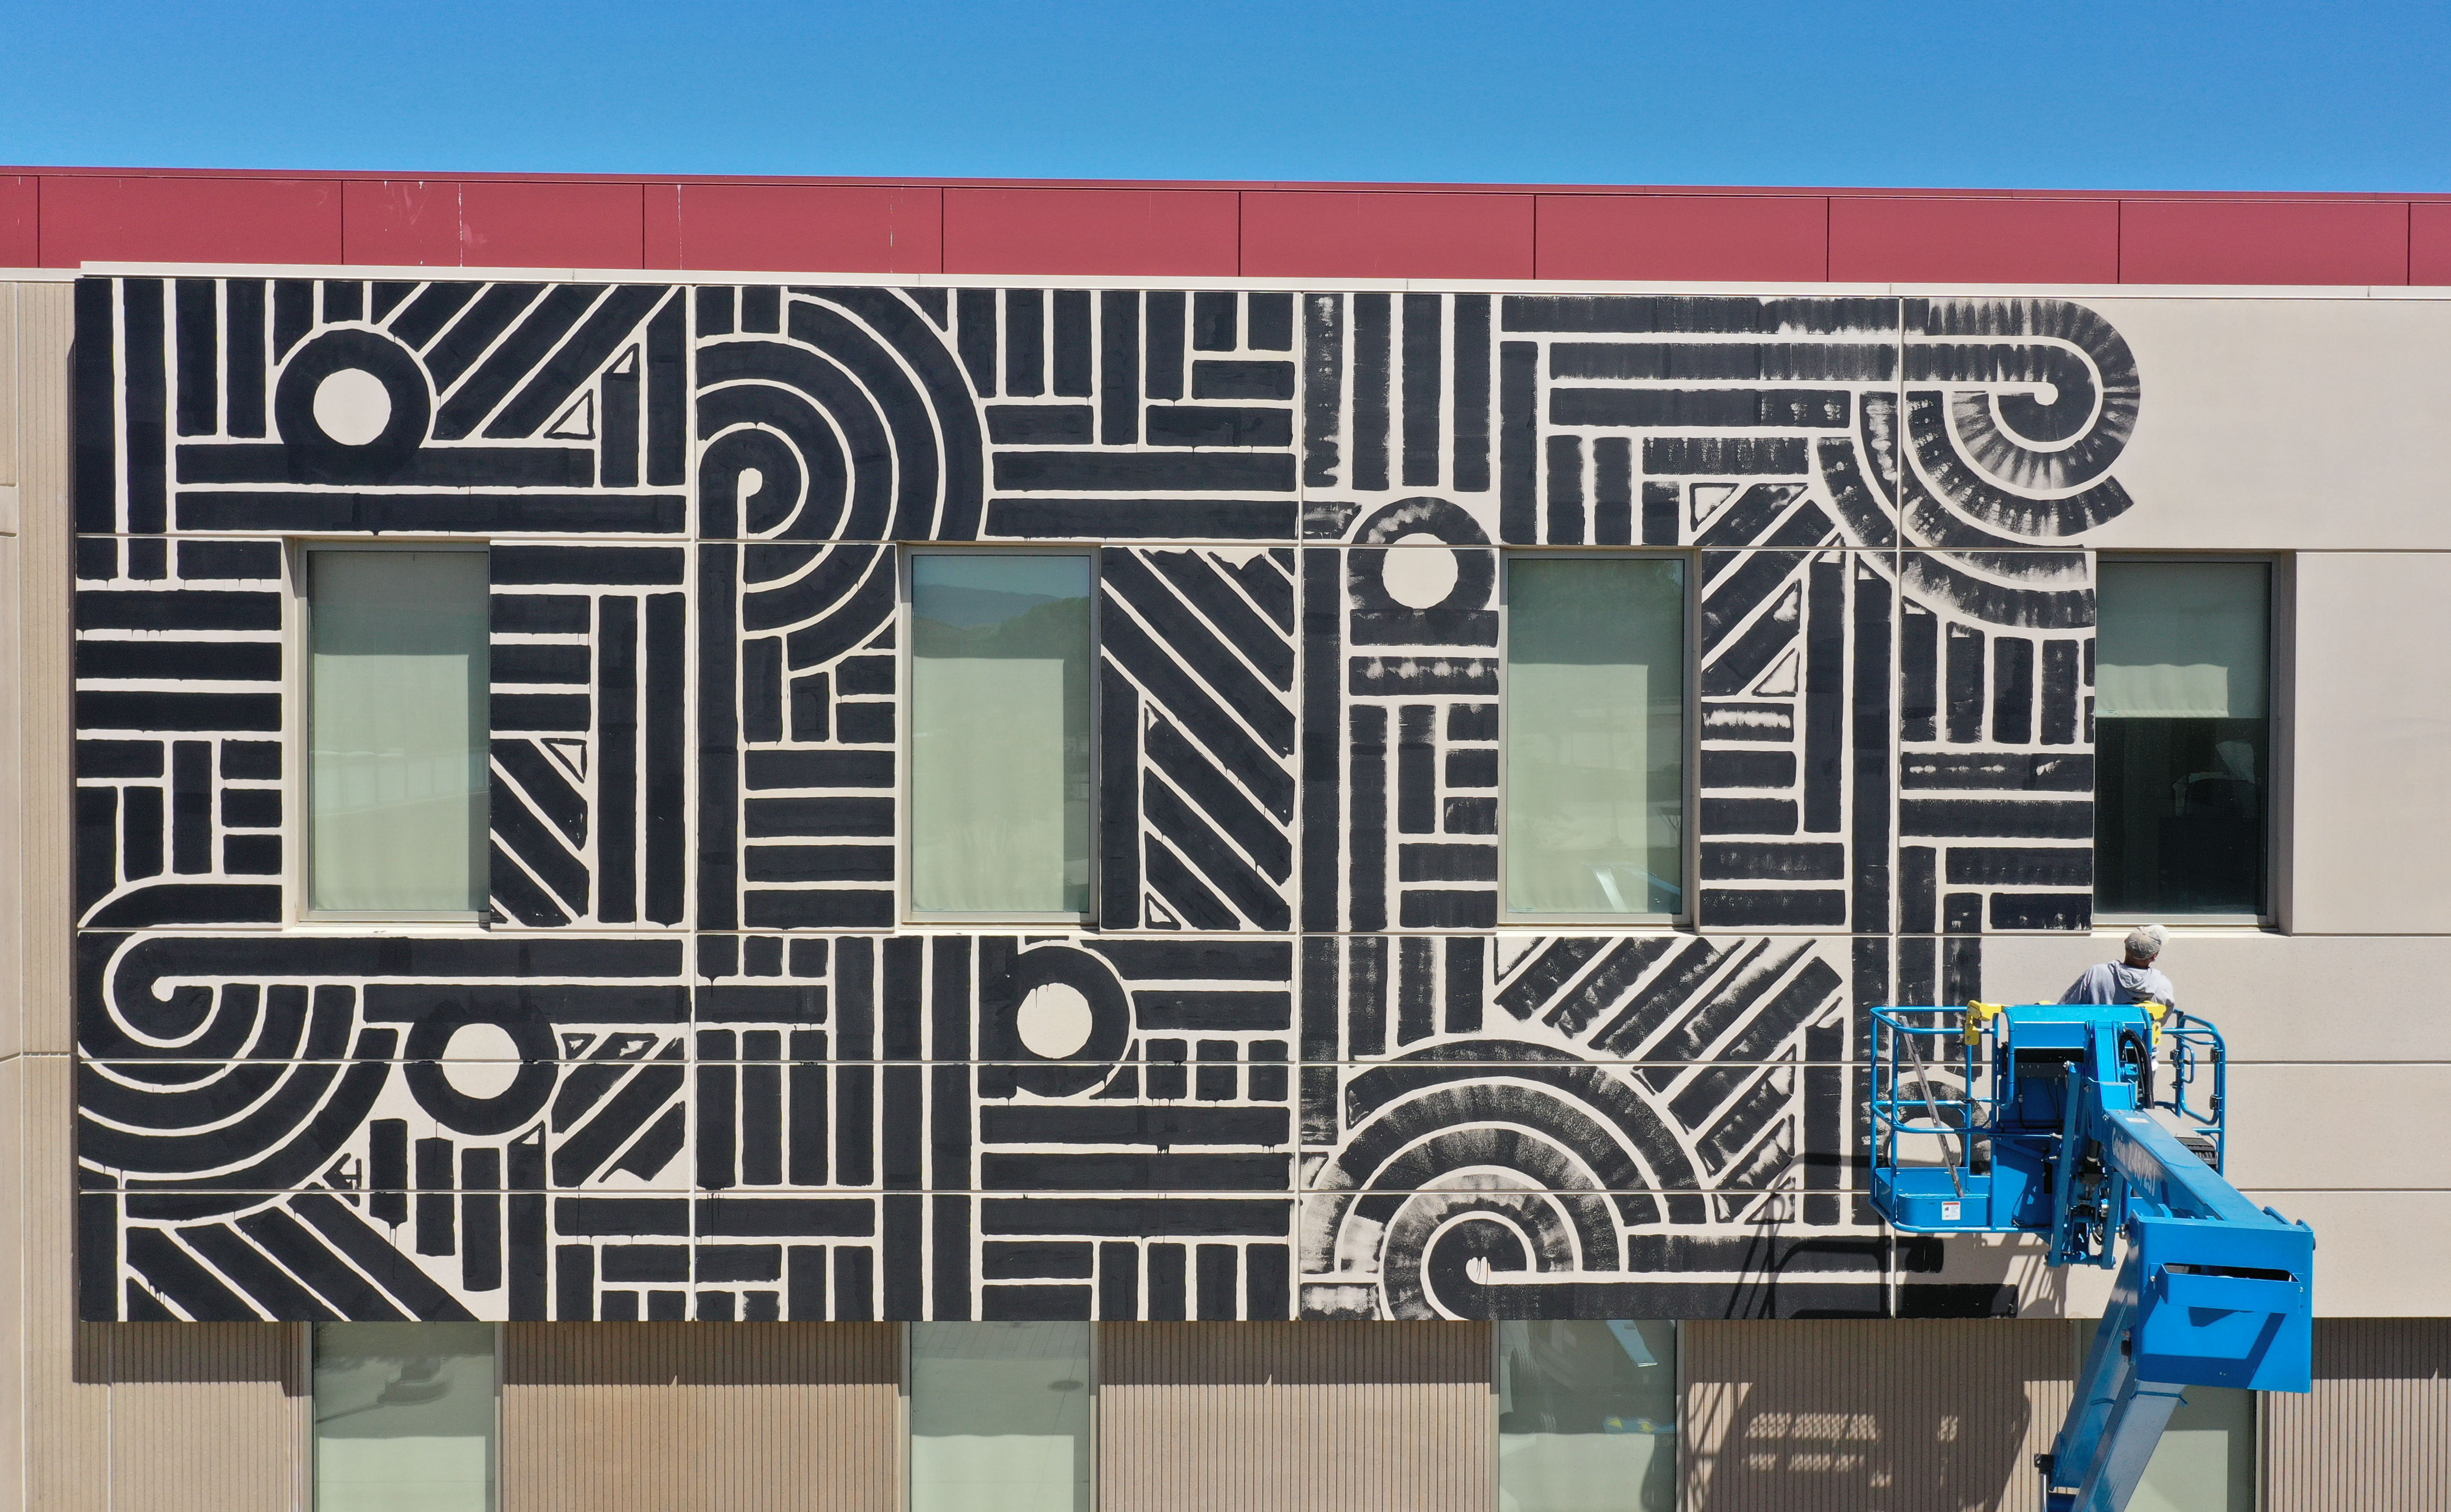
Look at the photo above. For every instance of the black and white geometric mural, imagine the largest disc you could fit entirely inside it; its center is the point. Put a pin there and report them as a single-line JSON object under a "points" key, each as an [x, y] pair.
{"points": [[694, 1067]]}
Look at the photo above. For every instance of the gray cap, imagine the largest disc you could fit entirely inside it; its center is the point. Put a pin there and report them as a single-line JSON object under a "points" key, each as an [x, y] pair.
{"points": [[2146, 940]]}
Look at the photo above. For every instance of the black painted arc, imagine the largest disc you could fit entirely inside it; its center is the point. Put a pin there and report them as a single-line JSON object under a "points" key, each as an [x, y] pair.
{"points": [[1322, 387], [868, 608], [1372, 339], [1119, 762], [718, 735], [516, 356], [790, 583], [611, 325], [143, 385], [945, 407], [797, 393]]}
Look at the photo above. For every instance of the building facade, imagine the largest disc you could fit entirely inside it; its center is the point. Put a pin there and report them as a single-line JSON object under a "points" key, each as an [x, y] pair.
{"points": [[1279, 856]]}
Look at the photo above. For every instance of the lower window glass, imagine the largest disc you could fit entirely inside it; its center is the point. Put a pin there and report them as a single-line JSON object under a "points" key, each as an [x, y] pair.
{"points": [[1587, 1416], [999, 1417], [404, 1418], [1596, 737]]}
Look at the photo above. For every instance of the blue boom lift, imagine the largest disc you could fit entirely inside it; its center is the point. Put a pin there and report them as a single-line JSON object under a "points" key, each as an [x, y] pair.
{"points": [[2040, 1119]]}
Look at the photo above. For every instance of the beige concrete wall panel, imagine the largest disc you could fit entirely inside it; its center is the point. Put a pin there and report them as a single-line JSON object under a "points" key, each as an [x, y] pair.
{"points": [[1879, 1416], [2377, 1255], [2375, 1434], [9, 423], [1294, 1416], [659, 1417], [2371, 1127], [2373, 720], [13, 1276], [45, 620], [2284, 425], [2277, 997], [208, 1417]]}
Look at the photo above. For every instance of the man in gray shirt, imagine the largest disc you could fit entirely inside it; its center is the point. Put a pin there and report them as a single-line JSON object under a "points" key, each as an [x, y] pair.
{"points": [[2134, 980]]}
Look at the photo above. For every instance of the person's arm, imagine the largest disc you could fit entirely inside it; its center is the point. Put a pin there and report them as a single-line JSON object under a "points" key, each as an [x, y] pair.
{"points": [[2084, 990]]}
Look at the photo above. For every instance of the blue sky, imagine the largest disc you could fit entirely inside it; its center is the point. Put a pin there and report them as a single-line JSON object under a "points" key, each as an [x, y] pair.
{"points": [[2124, 96]]}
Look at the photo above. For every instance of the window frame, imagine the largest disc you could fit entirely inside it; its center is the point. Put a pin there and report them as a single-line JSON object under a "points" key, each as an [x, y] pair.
{"points": [[299, 742], [2279, 692], [1689, 745], [906, 660]]}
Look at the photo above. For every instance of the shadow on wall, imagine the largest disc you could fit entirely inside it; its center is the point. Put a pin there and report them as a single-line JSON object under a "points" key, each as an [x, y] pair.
{"points": [[139, 1354], [1881, 1417]]}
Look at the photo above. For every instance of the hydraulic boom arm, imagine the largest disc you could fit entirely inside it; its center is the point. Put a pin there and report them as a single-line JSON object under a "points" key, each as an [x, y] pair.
{"points": [[2064, 1143]]}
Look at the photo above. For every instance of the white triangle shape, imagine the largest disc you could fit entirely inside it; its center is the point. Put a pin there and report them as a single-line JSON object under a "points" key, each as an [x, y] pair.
{"points": [[578, 422], [570, 756], [1708, 499], [1779, 681]]}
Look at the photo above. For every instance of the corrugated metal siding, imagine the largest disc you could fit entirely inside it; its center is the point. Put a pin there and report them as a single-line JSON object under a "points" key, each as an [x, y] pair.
{"points": [[1876, 1416], [1275, 1417], [2375, 1435], [206, 1417], [679, 1417], [65, 1395]]}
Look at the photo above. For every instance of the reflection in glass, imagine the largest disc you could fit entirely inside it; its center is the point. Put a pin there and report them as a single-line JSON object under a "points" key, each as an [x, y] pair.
{"points": [[2182, 737], [397, 710], [2206, 1459], [1000, 733], [1587, 1416], [1595, 735], [405, 1417], [999, 1417]]}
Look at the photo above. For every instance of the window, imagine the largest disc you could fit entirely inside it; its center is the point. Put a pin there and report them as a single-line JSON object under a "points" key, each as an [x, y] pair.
{"points": [[1596, 737], [1000, 725], [2183, 736], [396, 699], [1000, 1417], [1587, 1416], [405, 1417]]}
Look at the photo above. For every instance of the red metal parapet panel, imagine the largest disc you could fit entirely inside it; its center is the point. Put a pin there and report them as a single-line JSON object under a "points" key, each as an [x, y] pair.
{"points": [[65, 217]]}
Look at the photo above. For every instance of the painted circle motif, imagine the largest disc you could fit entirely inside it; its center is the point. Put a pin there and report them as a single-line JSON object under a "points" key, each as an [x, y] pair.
{"points": [[300, 407]]}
